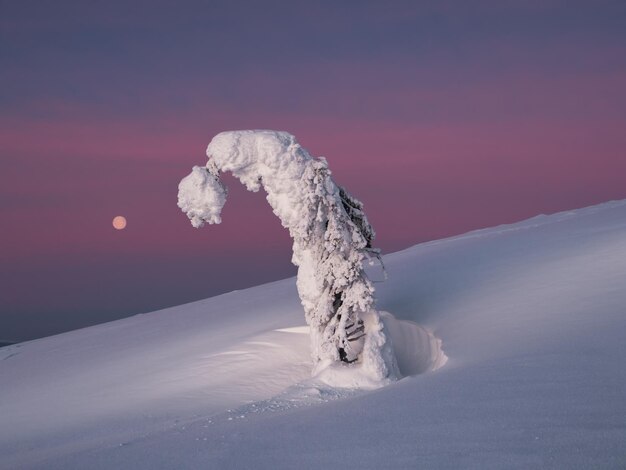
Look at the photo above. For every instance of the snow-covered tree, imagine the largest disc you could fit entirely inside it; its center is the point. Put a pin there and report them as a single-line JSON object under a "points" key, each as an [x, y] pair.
{"points": [[331, 239]]}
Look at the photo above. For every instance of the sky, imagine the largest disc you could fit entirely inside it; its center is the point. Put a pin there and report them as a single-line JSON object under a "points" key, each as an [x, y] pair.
{"points": [[442, 117]]}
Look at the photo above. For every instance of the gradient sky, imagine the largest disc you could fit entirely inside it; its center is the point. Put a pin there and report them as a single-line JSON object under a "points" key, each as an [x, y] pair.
{"points": [[442, 117]]}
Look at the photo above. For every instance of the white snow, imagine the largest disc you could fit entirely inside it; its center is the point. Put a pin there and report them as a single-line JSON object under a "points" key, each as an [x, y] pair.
{"points": [[331, 241], [531, 318]]}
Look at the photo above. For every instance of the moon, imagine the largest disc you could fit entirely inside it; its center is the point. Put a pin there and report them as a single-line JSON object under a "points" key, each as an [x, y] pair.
{"points": [[119, 222]]}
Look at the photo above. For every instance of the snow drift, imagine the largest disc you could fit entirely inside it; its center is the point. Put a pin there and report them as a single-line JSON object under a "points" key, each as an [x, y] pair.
{"points": [[531, 317]]}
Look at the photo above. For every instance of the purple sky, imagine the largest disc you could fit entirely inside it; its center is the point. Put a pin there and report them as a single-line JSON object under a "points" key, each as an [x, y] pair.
{"points": [[441, 116]]}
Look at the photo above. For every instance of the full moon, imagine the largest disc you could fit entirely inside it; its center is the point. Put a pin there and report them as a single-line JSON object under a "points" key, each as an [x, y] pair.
{"points": [[119, 222]]}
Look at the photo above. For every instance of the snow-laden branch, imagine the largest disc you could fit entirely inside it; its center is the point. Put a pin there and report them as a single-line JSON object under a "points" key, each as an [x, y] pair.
{"points": [[330, 232]]}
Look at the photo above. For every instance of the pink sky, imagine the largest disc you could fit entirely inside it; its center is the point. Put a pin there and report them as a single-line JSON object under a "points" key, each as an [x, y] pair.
{"points": [[442, 120]]}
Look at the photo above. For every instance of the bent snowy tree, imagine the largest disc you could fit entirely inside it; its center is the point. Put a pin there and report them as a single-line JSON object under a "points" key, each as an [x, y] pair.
{"points": [[331, 238]]}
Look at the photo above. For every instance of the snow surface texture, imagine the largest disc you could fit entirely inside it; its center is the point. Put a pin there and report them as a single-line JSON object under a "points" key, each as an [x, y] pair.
{"points": [[532, 318], [331, 240]]}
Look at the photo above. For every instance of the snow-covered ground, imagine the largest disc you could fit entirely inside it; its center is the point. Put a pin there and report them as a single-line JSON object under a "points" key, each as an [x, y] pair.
{"points": [[531, 318]]}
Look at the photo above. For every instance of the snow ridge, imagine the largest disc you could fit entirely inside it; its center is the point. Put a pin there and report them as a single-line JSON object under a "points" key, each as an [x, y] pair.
{"points": [[532, 321]]}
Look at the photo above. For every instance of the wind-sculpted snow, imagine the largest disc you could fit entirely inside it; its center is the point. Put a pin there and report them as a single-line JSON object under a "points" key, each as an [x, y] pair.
{"points": [[530, 316], [331, 240]]}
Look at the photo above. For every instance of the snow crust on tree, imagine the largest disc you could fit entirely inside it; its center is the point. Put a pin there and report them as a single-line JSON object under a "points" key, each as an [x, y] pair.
{"points": [[331, 241]]}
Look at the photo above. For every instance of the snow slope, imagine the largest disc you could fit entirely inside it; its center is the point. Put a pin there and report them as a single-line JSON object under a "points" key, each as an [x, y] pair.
{"points": [[531, 317]]}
